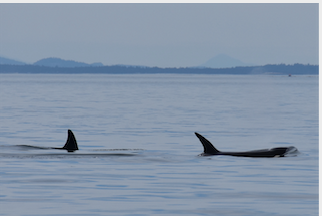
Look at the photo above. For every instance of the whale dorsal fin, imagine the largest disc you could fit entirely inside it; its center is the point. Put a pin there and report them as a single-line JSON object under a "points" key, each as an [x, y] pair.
{"points": [[71, 144], [208, 147]]}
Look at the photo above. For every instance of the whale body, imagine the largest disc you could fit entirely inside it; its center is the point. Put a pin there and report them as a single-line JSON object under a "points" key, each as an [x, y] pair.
{"points": [[209, 150]]}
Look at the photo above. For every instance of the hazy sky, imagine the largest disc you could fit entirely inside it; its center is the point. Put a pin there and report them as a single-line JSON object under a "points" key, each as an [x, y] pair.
{"points": [[163, 35]]}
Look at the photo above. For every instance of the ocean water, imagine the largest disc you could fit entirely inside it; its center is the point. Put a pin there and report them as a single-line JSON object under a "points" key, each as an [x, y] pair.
{"points": [[138, 152]]}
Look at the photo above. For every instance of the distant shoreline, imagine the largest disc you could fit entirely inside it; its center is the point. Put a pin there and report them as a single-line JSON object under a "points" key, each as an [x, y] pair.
{"points": [[276, 69]]}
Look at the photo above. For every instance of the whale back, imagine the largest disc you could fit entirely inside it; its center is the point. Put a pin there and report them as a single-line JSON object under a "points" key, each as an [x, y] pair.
{"points": [[209, 149]]}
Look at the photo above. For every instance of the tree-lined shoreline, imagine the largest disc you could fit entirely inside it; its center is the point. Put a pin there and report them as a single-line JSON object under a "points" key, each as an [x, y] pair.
{"points": [[278, 69]]}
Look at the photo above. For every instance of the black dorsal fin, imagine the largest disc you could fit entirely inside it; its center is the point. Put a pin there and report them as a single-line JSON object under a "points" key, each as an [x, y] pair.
{"points": [[71, 144], [208, 147]]}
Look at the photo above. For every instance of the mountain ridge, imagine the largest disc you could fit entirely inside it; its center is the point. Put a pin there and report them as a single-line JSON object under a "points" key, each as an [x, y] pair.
{"points": [[8, 61], [58, 62]]}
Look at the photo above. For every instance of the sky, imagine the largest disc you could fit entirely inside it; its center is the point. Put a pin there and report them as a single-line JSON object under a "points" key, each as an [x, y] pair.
{"points": [[161, 35]]}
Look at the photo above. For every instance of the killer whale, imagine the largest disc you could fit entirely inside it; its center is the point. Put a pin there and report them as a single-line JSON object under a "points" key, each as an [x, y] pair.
{"points": [[70, 145], [209, 150]]}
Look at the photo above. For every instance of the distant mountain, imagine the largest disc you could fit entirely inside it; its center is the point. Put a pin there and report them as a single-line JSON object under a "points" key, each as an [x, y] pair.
{"points": [[10, 61], [57, 62], [223, 61]]}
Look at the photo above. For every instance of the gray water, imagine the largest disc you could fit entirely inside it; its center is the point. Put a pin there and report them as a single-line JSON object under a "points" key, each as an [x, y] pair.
{"points": [[138, 152]]}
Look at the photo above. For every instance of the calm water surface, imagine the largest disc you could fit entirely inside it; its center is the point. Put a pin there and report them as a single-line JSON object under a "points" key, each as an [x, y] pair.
{"points": [[138, 152]]}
